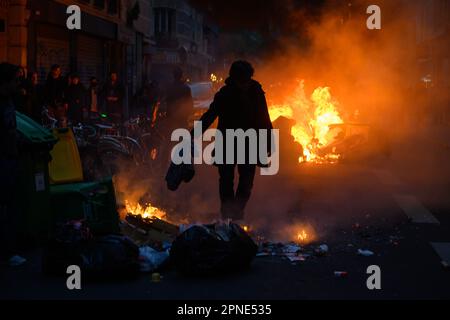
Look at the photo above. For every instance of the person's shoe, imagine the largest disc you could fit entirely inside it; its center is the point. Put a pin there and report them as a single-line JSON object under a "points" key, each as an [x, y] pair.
{"points": [[16, 261]]}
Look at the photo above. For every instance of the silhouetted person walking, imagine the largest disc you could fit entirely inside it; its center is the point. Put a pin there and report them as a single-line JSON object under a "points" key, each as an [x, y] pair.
{"points": [[240, 104]]}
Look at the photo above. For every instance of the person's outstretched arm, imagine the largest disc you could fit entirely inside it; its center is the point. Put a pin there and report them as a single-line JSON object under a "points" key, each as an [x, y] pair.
{"points": [[211, 115]]}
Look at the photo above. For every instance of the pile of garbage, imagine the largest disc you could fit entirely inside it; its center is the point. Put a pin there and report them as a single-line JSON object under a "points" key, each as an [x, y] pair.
{"points": [[149, 246]]}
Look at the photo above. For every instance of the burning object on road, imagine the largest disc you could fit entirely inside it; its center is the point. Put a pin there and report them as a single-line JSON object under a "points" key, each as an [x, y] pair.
{"points": [[355, 141], [319, 128], [146, 225]]}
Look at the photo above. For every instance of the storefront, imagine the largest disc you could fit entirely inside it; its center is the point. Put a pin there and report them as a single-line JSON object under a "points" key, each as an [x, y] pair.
{"points": [[52, 47], [90, 58], [85, 52]]}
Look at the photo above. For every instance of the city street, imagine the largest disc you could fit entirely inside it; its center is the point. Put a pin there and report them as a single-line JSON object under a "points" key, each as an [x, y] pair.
{"points": [[397, 208], [293, 150]]}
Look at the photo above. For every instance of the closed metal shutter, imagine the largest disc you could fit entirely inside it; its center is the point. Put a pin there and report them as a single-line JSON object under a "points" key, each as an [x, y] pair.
{"points": [[50, 52], [90, 58]]}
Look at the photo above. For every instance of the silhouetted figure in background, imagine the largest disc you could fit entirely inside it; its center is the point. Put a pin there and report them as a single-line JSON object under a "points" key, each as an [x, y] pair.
{"points": [[93, 95], [54, 86], [179, 107], [114, 94], [240, 104], [179, 102], [54, 90], [75, 96], [20, 98], [35, 96]]}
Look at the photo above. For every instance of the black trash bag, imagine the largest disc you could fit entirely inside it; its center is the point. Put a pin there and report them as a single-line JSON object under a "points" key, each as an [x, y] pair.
{"points": [[111, 256], [178, 174], [212, 249]]}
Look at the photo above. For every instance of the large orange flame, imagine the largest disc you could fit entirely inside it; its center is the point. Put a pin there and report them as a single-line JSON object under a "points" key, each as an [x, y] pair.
{"points": [[313, 117]]}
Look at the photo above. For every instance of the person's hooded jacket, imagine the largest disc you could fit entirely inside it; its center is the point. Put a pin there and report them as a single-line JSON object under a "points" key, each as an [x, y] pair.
{"points": [[239, 108]]}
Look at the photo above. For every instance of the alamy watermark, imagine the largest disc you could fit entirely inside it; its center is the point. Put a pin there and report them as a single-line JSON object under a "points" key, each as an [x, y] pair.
{"points": [[258, 147], [374, 20], [73, 281], [374, 280]]}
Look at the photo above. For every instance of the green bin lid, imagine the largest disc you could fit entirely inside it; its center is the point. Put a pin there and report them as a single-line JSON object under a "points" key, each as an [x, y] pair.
{"points": [[32, 131]]}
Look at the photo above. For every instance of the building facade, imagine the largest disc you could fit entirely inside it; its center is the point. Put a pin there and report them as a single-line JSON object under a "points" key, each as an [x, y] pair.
{"points": [[180, 37], [433, 55], [113, 37], [433, 41]]}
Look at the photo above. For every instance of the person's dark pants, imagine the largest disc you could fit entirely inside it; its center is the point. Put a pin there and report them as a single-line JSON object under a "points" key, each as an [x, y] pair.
{"points": [[8, 218], [233, 204]]}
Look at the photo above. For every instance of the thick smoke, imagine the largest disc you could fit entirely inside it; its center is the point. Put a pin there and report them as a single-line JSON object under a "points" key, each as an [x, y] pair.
{"points": [[367, 70]]}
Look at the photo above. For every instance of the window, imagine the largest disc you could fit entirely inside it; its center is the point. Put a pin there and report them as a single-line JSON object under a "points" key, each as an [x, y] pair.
{"points": [[2, 25], [164, 21], [113, 7], [157, 14]]}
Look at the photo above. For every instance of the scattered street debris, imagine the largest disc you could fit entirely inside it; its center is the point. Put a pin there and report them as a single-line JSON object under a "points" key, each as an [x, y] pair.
{"points": [[263, 254], [341, 274], [156, 277], [291, 248], [16, 261], [300, 257], [150, 259], [365, 253], [321, 250]]}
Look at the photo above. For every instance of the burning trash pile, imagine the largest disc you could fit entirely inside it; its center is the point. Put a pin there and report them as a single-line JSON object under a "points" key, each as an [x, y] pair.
{"points": [[315, 123], [313, 117], [205, 249], [193, 249]]}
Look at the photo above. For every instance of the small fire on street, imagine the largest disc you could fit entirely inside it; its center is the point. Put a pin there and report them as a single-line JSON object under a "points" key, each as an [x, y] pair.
{"points": [[303, 234], [146, 211]]}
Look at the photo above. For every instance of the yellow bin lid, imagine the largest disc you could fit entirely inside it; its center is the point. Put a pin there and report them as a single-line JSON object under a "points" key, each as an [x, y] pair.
{"points": [[65, 166]]}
